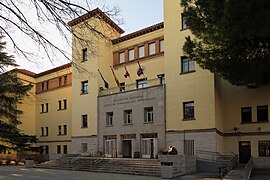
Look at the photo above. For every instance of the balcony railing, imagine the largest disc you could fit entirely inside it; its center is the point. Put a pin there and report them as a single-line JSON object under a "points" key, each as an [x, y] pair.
{"points": [[130, 87]]}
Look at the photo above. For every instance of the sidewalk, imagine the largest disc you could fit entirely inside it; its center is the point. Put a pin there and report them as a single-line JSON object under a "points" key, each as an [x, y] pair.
{"points": [[22, 173]]}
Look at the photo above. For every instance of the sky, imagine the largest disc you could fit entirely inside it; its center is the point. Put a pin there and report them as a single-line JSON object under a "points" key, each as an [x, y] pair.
{"points": [[137, 14]]}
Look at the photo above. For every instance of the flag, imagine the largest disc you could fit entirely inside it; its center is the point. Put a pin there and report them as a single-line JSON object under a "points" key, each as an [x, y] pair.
{"points": [[127, 73], [106, 84], [140, 70], [115, 78]]}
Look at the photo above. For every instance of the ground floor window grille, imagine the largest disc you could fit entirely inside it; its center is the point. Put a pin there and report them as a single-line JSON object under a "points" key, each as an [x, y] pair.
{"points": [[264, 148], [83, 147], [189, 147]]}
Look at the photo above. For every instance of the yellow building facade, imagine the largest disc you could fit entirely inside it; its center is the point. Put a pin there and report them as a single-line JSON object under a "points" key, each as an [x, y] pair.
{"points": [[47, 108], [173, 102]]}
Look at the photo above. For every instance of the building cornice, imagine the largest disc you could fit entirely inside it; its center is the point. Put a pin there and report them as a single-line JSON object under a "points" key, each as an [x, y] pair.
{"points": [[68, 65], [99, 14], [141, 32]]}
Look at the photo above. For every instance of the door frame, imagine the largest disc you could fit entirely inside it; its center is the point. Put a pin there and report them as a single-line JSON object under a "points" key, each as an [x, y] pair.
{"points": [[240, 145]]}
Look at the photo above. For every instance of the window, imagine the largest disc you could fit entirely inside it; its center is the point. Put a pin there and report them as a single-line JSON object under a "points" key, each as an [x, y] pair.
{"points": [[47, 131], [187, 65], [131, 54], [189, 110], [141, 52], [262, 113], [47, 149], [42, 86], [47, 107], [58, 149], [83, 147], [128, 117], [84, 54], [152, 48], [161, 45], [246, 115], [65, 149], [184, 21], [84, 87], [59, 105], [44, 108], [264, 148], [47, 85], [148, 114], [84, 121], [109, 119], [141, 83], [65, 103], [59, 130], [42, 131], [60, 81], [122, 57], [65, 79], [65, 129], [41, 149], [122, 87], [188, 147]]}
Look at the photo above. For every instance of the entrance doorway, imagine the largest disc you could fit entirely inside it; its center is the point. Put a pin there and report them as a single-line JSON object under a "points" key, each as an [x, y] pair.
{"points": [[244, 152], [110, 147], [149, 148], [127, 148]]}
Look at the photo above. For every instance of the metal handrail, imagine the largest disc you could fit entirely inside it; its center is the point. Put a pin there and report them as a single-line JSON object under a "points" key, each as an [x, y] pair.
{"points": [[227, 160], [248, 169], [81, 155]]}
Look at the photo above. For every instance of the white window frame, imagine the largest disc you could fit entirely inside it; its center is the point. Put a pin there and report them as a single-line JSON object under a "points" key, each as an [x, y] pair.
{"points": [[148, 114], [131, 54], [161, 45], [121, 57], [152, 48], [109, 119], [128, 117], [141, 51], [141, 83]]}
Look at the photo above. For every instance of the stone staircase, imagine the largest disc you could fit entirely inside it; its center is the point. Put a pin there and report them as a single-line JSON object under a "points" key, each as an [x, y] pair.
{"points": [[69, 163], [144, 167]]}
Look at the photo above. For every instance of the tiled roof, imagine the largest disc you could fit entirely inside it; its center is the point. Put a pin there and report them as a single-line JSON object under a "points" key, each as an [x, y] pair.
{"points": [[139, 33], [98, 13], [53, 70], [26, 72]]}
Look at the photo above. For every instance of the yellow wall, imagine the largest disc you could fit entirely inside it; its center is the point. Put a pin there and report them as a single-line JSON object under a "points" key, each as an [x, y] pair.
{"points": [[197, 86], [54, 117], [101, 52], [28, 107]]}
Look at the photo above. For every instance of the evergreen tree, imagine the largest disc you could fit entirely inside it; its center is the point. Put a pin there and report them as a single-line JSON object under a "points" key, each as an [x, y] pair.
{"points": [[12, 91], [232, 38]]}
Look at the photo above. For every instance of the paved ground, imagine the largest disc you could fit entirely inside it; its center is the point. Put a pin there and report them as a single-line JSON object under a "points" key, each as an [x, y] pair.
{"points": [[22, 173]]}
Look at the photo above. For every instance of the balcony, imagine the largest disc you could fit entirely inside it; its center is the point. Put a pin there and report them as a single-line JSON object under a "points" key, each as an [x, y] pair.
{"points": [[132, 87]]}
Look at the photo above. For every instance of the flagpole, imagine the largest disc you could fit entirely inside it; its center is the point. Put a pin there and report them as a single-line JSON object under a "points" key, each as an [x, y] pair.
{"points": [[115, 78]]}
